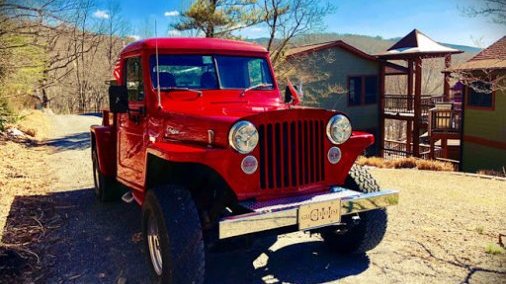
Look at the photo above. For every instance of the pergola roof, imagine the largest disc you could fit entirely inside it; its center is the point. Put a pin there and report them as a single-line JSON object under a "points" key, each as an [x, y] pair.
{"points": [[414, 44]]}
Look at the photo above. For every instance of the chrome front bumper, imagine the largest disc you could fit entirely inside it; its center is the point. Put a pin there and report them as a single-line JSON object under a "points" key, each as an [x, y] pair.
{"points": [[284, 212]]}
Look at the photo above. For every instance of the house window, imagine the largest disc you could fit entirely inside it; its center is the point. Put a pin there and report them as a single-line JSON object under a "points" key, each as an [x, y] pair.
{"points": [[355, 90], [362, 90], [480, 95]]}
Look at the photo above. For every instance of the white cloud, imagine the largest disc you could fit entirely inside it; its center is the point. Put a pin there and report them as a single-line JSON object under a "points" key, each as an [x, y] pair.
{"points": [[253, 32], [171, 13], [174, 33], [257, 30], [135, 37], [101, 14]]}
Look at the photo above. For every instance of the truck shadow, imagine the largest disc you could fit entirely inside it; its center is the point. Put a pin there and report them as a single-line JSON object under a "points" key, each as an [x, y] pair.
{"points": [[303, 262], [75, 141], [88, 242]]}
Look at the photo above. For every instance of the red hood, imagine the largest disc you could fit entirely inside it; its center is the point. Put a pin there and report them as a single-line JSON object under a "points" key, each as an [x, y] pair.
{"points": [[217, 103], [191, 120]]}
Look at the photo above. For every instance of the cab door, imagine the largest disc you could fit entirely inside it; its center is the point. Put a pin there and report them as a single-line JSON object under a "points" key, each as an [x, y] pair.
{"points": [[131, 126]]}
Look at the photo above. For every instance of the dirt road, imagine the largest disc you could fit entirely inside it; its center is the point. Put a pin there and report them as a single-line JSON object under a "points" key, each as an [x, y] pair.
{"points": [[437, 234]]}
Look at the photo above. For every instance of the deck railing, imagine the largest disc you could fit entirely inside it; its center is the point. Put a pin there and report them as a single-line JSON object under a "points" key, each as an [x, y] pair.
{"points": [[400, 149], [403, 104], [445, 120]]}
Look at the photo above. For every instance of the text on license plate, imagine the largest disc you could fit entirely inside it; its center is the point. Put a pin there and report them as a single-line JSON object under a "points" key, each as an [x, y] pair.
{"points": [[319, 214]]}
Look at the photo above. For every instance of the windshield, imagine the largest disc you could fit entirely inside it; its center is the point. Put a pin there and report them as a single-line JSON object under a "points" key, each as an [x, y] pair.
{"points": [[207, 72]]}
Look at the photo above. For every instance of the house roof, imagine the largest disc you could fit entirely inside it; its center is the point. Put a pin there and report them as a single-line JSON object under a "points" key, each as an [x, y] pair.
{"points": [[391, 68], [416, 43], [308, 48], [492, 57]]}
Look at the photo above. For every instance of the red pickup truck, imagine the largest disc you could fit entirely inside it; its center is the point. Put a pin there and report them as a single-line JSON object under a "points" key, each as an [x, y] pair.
{"points": [[200, 135]]}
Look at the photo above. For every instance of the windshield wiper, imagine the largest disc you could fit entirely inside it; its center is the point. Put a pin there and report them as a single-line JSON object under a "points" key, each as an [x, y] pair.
{"points": [[261, 85], [181, 89]]}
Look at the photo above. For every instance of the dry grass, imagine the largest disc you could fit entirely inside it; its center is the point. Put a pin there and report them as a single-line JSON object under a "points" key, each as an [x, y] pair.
{"points": [[492, 173], [440, 230], [405, 163], [34, 123], [23, 172]]}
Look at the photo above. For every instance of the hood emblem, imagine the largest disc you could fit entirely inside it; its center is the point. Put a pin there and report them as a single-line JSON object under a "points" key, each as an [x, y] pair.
{"points": [[172, 131]]}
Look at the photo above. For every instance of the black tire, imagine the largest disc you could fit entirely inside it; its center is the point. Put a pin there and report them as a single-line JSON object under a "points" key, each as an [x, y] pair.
{"points": [[179, 235], [106, 188], [370, 230]]}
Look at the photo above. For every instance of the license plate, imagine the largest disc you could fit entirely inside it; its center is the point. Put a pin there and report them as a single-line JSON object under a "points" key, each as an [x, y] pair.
{"points": [[319, 214]]}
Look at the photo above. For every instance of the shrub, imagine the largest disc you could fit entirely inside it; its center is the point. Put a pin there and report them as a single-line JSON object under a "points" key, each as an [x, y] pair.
{"points": [[6, 114], [494, 249], [405, 163]]}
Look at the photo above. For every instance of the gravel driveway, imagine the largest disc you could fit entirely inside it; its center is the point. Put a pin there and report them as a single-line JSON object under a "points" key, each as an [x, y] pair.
{"points": [[101, 242]]}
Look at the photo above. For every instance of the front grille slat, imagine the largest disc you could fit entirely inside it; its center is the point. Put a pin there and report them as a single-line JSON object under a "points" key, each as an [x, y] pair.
{"points": [[277, 154], [306, 152], [291, 154], [269, 145], [285, 157], [261, 145]]}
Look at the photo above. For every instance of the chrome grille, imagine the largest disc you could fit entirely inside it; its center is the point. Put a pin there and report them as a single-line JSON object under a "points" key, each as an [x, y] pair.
{"points": [[291, 154]]}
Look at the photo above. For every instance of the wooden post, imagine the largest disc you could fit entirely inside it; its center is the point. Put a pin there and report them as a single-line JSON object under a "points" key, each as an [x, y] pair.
{"points": [[446, 93], [409, 93], [381, 109], [417, 119], [409, 136], [444, 145], [431, 147]]}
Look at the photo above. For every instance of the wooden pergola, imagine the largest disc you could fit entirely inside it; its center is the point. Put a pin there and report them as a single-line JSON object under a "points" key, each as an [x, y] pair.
{"points": [[412, 49]]}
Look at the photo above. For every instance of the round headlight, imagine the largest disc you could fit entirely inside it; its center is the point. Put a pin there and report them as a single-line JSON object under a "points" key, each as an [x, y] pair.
{"points": [[243, 137], [339, 129]]}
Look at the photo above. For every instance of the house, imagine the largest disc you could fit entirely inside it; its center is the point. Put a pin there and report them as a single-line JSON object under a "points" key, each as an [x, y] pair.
{"points": [[336, 75], [484, 109]]}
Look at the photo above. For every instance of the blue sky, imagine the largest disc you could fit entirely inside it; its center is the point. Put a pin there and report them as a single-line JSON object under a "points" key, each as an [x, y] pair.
{"points": [[442, 20]]}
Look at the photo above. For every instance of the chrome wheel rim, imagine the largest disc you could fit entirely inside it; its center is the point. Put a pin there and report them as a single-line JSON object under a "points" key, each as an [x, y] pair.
{"points": [[154, 245]]}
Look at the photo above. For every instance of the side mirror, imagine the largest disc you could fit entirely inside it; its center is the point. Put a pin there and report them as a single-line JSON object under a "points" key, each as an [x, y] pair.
{"points": [[291, 95], [118, 99]]}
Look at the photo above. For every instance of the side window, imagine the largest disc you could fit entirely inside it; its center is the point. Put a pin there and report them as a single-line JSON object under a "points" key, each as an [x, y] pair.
{"points": [[258, 72], [363, 90], [134, 81], [480, 94], [255, 72], [371, 89], [355, 90]]}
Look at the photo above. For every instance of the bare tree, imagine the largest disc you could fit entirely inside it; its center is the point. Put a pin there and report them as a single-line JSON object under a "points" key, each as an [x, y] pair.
{"points": [[495, 80], [495, 9], [69, 41], [287, 19], [116, 28]]}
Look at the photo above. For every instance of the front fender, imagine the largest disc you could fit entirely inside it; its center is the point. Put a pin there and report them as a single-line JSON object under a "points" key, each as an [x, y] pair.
{"points": [[104, 141], [226, 162]]}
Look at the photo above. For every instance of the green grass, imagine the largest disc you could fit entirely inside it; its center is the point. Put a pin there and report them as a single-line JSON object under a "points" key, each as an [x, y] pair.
{"points": [[494, 249]]}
